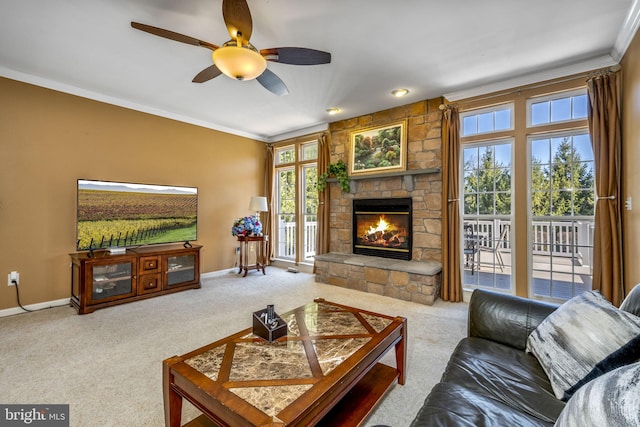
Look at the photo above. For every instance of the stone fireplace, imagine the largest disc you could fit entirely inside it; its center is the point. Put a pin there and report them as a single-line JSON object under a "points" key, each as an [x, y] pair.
{"points": [[382, 227], [416, 277]]}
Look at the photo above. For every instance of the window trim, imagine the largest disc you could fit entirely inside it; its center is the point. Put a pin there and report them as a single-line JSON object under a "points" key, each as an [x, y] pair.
{"points": [[298, 167]]}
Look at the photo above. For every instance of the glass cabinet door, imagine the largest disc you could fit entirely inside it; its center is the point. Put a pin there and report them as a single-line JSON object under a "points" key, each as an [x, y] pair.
{"points": [[181, 269], [112, 281]]}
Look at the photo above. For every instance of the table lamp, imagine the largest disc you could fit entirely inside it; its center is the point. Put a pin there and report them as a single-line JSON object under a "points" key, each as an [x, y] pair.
{"points": [[258, 204]]}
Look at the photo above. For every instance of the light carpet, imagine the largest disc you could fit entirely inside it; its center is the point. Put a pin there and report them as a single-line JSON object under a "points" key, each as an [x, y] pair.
{"points": [[108, 365]]}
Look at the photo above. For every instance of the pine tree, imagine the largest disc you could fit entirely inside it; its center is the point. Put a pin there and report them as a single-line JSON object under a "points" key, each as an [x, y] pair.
{"points": [[571, 182], [311, 191], [487, 185], [540, 195]]}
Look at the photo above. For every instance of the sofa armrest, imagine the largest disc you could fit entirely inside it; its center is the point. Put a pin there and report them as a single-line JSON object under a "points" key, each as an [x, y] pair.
{"points": [[505, 319]]}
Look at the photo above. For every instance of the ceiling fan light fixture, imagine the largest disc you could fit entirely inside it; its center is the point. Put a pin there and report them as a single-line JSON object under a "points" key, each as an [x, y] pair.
{"points": [[239, 63], [398, 93]]}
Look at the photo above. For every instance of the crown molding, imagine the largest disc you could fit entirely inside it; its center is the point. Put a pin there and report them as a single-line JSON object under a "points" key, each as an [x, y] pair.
{"points": [[320, 127], [627, 32], [624, 39], [528, 79]]}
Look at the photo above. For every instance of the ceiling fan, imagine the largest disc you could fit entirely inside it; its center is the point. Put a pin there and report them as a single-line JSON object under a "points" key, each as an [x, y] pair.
{"points": [[237, 58]]}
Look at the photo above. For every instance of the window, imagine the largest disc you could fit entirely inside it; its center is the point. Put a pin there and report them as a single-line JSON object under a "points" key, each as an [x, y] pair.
{"points": [[310, 211], [286, 213], [562, 206], [487, 214], [527, 192], [557, 108], [285, 155], [487, 120], [296, 177]]}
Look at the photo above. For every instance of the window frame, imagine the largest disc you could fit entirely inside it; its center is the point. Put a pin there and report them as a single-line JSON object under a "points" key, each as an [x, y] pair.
{"points": [[495, 218], [521, 242], [555, 219], [298, 165]]}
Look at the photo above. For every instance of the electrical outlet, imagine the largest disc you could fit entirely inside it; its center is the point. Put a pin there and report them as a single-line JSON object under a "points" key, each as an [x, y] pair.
{"points": [[14, 275]]}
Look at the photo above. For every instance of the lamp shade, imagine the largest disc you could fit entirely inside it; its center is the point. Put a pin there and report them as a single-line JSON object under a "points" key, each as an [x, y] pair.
{"points": [[258, 204], [239, 63]]}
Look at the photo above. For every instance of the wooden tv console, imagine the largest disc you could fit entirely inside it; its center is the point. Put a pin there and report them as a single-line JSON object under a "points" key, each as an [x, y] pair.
{"points": [[100, 279]]}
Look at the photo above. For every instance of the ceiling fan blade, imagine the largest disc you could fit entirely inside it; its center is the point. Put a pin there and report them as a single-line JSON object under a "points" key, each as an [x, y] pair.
{"points": [[172, 35], [296, 55], [207, 74], [237, 18], [272, 83]]}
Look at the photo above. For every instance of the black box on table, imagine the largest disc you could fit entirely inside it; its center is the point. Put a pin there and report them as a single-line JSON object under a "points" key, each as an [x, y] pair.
{"points": [[268, 328]]}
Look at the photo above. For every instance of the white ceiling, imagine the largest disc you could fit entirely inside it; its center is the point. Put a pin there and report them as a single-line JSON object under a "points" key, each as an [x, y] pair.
{"points": [[455, 48]]}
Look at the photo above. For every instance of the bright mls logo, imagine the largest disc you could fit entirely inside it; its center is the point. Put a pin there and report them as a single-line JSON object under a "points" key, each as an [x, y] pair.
{"points": [[34, 415]]}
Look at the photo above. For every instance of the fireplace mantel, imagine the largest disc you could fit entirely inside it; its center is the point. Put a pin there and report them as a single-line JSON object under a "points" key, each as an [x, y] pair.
{"points": [[407, 177]]}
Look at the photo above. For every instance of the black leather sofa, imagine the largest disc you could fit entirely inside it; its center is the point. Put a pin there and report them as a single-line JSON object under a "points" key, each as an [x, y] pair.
{"points": [[490, 380]]}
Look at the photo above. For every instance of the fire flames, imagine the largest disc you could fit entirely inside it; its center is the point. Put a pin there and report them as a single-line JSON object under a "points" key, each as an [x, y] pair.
{"points": [[383, 233], [381, 226]]}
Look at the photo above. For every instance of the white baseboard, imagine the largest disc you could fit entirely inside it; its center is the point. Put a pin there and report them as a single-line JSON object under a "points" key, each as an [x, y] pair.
{"points": [[66, 301], [284, 264], [37, 306], [218, 273]]}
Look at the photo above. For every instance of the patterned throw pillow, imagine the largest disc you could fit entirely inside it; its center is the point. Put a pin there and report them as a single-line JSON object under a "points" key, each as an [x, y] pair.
{"points": [[579, 334], [631, 303], [625, 355], [613, 400]]}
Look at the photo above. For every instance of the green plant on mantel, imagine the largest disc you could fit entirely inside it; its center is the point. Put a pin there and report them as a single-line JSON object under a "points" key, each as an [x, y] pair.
{"points": [[337, 170]]}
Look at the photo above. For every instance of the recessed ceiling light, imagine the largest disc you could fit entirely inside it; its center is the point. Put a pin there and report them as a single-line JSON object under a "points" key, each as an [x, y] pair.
{"points": [[399, 92], [333, 110]]}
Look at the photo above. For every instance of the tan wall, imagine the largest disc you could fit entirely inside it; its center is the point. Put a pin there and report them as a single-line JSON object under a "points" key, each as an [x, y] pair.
{"points": [[630, 160], [49, 139]]}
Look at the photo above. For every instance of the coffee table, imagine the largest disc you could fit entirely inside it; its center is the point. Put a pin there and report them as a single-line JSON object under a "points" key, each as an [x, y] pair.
{"points": [[326, 371]]}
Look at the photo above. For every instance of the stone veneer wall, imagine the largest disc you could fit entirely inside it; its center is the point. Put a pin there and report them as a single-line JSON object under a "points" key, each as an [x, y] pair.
{"points": [[417, 280], [423, 151]]}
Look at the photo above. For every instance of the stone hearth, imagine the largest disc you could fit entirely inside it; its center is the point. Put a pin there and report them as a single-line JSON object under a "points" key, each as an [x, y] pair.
{"points": [[417, 281]]}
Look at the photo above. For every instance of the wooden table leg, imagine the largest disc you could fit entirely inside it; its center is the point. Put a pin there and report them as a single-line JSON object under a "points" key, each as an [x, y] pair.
{"points": [[172, 400], [246, 258], [261, 261], [401, 353]]}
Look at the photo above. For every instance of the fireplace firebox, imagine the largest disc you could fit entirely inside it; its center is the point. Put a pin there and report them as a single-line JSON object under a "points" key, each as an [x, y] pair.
{"points": [[382, 227]]}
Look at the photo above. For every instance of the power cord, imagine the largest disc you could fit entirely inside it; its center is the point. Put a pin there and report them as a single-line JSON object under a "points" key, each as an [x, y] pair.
{"points": [[15, 283]]}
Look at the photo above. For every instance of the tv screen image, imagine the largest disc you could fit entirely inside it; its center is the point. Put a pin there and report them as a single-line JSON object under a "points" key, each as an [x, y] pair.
{"points": [[121, 214]]}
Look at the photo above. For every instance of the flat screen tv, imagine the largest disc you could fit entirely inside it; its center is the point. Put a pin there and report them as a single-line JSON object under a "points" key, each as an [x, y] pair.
{"points": [[122, 214]]}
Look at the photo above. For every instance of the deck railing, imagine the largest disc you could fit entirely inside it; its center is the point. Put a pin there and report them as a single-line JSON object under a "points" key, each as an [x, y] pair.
{"points": [[286, 243], [573, 238]]}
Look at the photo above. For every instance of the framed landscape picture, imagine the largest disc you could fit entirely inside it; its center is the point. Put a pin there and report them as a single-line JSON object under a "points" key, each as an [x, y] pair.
{"points": [[379, 150]]}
